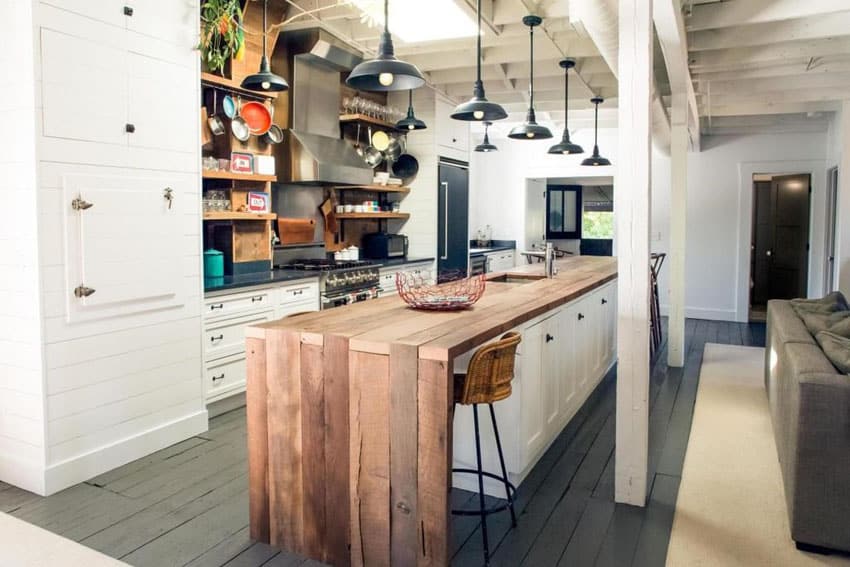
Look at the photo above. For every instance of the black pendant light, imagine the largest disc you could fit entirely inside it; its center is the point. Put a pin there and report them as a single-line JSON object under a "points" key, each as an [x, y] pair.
{"points": [[410, 122], [264, 80], [596, 159], [486, 146], [565, 146], [385, 72], [531, 130], [478, 107]]}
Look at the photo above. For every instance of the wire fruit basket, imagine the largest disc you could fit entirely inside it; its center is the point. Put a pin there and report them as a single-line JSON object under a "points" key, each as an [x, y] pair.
{"points": [[449, 296]]}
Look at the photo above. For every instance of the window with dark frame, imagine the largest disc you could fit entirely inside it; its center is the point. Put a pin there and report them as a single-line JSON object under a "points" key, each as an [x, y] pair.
{"points": [[563, 212]]}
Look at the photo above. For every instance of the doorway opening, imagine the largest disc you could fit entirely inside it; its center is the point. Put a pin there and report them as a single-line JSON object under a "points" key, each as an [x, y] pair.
{"points": [[779, 245]]}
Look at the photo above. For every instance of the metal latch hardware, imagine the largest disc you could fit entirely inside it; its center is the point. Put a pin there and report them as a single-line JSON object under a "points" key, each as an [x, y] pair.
{"points": [[82, 291], [168, 194], [79, 204]]}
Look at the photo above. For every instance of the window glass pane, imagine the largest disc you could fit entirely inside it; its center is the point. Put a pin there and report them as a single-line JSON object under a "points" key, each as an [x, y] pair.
{"points": [[597, 224], [570, 204], [556, 206]]}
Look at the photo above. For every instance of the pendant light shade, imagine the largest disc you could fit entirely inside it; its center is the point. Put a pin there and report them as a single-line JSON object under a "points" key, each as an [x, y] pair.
{"points": [[264, 80], [531, 130], [410, 122], [565, 146], [596, 159], [486, 146], [478, 108], [385, 72]]}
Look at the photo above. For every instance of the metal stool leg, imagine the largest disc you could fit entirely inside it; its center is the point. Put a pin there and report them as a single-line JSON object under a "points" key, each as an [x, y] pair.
{"points": [[504, 469], [481, 486]]}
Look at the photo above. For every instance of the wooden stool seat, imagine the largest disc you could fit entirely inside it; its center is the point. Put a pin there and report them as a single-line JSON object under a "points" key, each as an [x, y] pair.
{"points": [[487, 380]]}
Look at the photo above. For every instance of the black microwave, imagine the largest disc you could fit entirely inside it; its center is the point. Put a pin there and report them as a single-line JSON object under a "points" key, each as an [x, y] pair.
{"points": [[380, 245]]}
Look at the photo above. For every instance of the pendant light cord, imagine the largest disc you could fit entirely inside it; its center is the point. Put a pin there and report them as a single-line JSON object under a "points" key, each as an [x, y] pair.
{"points": [[387, 16], [596, 128], [479, 42], [566, 96], [531, 81]]}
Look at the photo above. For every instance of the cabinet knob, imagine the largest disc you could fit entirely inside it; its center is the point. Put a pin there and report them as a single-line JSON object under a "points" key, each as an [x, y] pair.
{"points": [[128, 10], [129, 128], [580, 316], [604, 301], [549, 338]]}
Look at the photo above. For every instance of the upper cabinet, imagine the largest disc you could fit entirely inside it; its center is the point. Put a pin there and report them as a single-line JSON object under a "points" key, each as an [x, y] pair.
{"points": [[452, 135]]}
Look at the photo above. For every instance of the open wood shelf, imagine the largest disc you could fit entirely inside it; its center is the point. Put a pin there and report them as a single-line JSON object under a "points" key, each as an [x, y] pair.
{"points": [[368, 120], [211, 174], [374, 188], [366, 216], [235, 215], [231, 85]]}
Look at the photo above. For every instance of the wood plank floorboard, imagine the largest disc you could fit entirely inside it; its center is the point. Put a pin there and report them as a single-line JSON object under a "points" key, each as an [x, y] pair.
{"points": [[187, 504]]}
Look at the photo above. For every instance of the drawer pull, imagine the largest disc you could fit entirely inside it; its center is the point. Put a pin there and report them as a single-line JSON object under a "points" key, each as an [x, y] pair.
{"points": [[218, 306], [580, 316], [128, 10], [298, 292], [604, 301], [129, 128], [256, 298], [218, 338], [219, 377]]}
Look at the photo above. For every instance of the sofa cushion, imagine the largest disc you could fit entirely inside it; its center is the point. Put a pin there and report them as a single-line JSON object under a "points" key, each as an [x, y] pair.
{"points": [[830, 303], [784, 325], [840, 323], [836, 348], [816, 321]]}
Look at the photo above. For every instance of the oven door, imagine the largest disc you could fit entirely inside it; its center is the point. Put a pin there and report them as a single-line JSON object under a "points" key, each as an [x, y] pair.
{"points": [[329, 301]]}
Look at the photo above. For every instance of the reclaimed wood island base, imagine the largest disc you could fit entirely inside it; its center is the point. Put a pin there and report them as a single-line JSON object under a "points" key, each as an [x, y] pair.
{"points": [[350, 418]]}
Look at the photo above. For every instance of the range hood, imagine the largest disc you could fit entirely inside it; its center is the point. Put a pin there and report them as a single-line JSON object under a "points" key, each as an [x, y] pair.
{"points": [[314, 153]]}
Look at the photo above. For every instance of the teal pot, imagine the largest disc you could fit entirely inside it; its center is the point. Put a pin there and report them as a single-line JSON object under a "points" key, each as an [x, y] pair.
{"points": [[213, 263]]}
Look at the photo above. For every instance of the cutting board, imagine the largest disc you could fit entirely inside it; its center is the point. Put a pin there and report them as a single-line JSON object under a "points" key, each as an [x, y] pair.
{"points": [[296, 231]]}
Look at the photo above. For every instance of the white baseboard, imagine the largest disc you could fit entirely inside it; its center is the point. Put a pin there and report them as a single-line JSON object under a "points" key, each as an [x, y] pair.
{"points": [[23, 474], [79, 469], [704, 313]]}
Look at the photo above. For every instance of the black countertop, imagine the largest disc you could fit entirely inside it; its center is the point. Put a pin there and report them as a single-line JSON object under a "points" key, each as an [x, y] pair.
{"points": [[495, 246], [254, 279]]}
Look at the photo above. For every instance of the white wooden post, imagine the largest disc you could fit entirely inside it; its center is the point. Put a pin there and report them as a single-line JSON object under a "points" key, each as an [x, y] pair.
{"points": [[632, 201], [678, 219], [842, 252]]}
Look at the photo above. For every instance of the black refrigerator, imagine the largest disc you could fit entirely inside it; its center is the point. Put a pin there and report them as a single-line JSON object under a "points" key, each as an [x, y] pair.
{"points": [[453, 220]]}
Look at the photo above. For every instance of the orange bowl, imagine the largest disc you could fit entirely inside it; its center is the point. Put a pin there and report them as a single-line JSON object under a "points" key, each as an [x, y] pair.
{"points": [[257, 116]]}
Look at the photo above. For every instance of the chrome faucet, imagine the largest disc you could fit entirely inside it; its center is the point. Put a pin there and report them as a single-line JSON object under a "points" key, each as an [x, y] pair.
{"points": [[549, 261]]}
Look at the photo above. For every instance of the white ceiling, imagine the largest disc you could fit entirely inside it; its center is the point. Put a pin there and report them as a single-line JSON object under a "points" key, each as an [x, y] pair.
{"points": [[766, 65]]}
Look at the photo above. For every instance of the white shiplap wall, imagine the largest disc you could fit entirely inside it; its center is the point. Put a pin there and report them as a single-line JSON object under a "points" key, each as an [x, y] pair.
{"points": [[22, 428], [109, 390]]}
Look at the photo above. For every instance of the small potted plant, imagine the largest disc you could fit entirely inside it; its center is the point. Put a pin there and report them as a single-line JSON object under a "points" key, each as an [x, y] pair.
{"points": [[222, 36]]}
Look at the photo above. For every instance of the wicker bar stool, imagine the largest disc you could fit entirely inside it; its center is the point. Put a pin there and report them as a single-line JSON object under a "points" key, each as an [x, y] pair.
{"points": [[488, 380]]}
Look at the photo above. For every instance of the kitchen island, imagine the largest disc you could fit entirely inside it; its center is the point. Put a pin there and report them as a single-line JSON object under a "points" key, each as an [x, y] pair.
{"points": [[350, 416]]}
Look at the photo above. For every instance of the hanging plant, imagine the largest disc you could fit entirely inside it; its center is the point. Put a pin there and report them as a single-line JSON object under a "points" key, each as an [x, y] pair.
{"points": [[222, 36]]}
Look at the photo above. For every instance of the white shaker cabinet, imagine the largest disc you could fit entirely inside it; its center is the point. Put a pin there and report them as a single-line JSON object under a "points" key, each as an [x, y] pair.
{"points": [[452, 135]]}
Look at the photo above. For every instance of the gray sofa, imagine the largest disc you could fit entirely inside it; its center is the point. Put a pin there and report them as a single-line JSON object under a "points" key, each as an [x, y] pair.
{"points": [[810, 410]]}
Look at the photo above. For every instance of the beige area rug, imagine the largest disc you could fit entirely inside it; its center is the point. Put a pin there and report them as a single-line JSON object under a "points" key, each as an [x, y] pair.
{"points": [[26, 545], [731, 505]]}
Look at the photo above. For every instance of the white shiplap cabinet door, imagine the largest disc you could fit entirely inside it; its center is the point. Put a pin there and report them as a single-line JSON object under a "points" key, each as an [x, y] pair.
{"points": [[126, 246], [107, 11], [165, 20], [84, 89]]}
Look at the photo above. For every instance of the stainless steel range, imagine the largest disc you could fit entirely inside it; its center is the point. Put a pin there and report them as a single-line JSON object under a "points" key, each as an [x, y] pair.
{"points": [[341, 282]]}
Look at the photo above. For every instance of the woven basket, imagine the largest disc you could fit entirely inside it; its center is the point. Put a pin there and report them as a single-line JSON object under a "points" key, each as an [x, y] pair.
{"points": [[449, 296]]}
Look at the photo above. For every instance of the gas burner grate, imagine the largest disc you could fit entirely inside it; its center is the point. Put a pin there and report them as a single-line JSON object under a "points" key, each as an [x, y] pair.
{"points": [[318, 265]]}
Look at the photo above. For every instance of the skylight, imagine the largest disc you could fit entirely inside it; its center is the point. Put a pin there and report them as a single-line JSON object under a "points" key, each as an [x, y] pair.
{"points": [[413, 21]]}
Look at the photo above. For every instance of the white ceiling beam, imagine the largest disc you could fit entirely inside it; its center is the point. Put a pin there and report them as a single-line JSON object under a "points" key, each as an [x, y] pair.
{"points": [[510, 11], [813, 27], [744, 12], [789, 50], [743, 87], [670, 30], [755, 108], [783, 69], [500, 54]]}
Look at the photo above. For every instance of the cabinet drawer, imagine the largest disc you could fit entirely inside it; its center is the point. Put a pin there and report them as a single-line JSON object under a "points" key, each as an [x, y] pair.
{"points": [[225, 378], [229, 337], [387, 282], [299, 292], [230, 305], [289, 309]]}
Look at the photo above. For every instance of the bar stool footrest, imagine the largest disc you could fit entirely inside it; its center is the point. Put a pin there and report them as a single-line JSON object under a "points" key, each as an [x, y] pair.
{"points": [[492, 509]]}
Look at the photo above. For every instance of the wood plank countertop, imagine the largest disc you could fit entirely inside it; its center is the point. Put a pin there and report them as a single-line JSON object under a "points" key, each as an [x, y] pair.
{"points": [[350, 417]]}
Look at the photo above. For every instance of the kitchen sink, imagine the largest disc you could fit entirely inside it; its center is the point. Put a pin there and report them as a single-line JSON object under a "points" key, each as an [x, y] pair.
{"points": [[505, 278]]}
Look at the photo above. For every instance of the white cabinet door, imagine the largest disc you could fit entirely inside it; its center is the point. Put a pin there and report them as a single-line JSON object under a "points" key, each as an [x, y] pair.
{"points": [[452, 135], [161, 96], [173, 21], [534, 431], [107, 11], [84, 89], [387, 282], [567, 364], [584, 339], [551, 373], [124, 246]]}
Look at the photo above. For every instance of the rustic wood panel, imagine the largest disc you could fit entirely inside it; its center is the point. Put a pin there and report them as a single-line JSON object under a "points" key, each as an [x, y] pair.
{"points": [[336, 425], [258, 439], [286, 485], [404, 433], [370, 459], [313, 449], [434, 461]]}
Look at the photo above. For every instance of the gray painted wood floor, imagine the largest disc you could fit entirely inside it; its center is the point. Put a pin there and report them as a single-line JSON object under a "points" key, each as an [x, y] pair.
{"points": [[188, 504]]}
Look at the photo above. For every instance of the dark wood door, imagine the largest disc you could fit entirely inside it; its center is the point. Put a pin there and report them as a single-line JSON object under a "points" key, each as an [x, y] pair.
{"points": [[780, 245], [453, 221]]}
